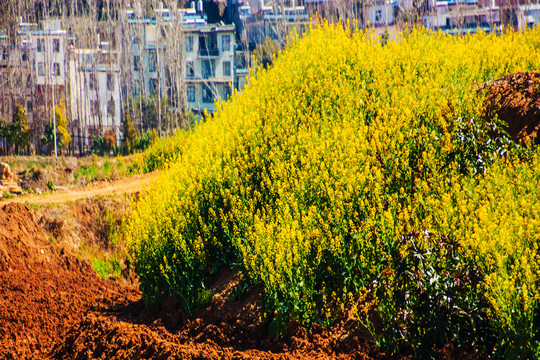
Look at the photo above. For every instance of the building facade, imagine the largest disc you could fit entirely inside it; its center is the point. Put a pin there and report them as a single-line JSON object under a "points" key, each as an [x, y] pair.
{"points": [[209, 65], [95, 101]]}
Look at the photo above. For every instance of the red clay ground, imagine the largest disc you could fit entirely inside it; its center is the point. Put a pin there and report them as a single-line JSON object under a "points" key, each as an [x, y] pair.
{"points": [[515, 99], [44, 289], [53, 305]]}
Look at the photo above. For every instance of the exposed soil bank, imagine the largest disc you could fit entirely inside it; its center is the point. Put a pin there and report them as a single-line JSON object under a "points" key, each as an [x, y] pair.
{"points": [[515, 99]]}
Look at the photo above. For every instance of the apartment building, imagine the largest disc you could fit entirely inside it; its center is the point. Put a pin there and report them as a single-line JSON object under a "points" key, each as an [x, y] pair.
{"points": [[209, 65], [33, 72], [460, 19], [94, 97], [191, 76]]}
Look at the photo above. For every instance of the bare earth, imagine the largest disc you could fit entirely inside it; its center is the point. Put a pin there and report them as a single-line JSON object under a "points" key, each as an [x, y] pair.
{"points": [[132, 184]]}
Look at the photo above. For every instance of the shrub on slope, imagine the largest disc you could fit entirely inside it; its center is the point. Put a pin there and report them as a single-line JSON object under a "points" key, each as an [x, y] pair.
{"points": [[310, 178]]}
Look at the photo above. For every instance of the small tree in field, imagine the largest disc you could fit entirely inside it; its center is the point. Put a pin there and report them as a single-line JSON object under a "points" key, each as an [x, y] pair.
{"points": [[63, 137], [264, 54], [110, 141], [130, 134], [19, 129], [4, 135]]}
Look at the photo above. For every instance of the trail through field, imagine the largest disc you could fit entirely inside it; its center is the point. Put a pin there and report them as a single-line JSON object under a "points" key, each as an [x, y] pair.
{"points": [[132, 184]]}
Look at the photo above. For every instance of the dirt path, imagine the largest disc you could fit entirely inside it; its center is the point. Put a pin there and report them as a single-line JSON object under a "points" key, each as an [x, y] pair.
{"points": [[130, 184]]}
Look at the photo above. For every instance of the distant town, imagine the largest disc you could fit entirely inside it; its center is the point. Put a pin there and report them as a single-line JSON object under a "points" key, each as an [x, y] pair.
{"points": [[92, 67]]}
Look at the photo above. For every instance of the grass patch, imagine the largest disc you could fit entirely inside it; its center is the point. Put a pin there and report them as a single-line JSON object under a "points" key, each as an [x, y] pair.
{"points": [[108, 268], [90, 173]]}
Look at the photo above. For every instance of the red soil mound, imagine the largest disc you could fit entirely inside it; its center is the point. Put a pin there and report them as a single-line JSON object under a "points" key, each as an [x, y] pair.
{"points": [[515, 99], [53, 305], [224, 329], [44, 290]]}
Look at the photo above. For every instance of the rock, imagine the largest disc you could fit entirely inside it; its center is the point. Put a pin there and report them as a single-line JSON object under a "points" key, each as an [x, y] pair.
{"points": [[15, 189], [5, 172]]}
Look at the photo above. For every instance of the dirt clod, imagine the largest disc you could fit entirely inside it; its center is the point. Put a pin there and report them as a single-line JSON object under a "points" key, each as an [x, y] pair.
{"points": [[515, 99]]}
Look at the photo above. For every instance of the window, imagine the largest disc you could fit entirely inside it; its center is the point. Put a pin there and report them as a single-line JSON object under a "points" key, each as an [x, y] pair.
{"points": [[189, 44], [110, 82], [136, 63], [208, 45], [378, 16], [191, 93], [271, 31], [168, 79], [25, 56], [93, 82], [4, 54], [56, 69], [29, 107], [240, 61], [94, 104], [154, 86], [40, 45], [190, 70], [56, 45], [207, 94], [152, 62], [110, 107], [226, 68], [226, 42], [41, 69], [226, 91], [208, 69], [137, 87]]}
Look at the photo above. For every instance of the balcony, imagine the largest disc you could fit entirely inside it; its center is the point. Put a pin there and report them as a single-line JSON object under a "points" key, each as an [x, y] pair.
{"points": [[209, 52]]}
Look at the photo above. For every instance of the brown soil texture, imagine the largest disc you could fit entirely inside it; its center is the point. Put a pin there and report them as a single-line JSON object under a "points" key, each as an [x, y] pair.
{"points": [[515, 99], [53, 305], [44, 289]]}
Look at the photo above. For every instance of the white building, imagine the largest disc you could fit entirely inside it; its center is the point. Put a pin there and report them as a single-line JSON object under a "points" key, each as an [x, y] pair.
{"points": [[95, 93], [380, 13], [191, 76], [148, 57], [528, 15], [47, 51], [462, 18], [39, 66], [209, 65]]}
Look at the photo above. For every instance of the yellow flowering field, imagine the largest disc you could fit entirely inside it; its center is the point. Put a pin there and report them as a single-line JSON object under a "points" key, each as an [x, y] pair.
{"points": [[353, 166]]}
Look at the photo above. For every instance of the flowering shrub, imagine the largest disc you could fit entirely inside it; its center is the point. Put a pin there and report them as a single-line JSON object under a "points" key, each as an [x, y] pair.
{"points": [[498, 220], [308, 180]]}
